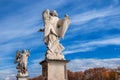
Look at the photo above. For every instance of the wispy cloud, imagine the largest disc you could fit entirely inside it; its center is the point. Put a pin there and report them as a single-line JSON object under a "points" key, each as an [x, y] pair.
{"points": [[95, 21], [6, 58], [23, 25], [93, 14], [92, 45], [19, 30], [83, 64], [35, 69], [8, 74]]}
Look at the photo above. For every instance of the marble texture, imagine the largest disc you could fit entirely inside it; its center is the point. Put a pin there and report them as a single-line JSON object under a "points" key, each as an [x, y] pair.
{"points": [[54, 29], [22, 78], [54, 69], [54, 65], [21, 60]]}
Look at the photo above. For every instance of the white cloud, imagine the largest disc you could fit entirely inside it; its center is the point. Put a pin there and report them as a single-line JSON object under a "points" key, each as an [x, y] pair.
{"points": [[8, 74], [93, 14], [6, 58], [17, 29], [35, 63], [35, 69], [91, 45], [83, 64], [22, 25], [78, 50], [92, 24], [104, 42]]}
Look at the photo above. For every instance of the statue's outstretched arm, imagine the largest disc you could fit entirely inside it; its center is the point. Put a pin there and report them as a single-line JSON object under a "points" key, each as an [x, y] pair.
{"points": [[41, 30]]}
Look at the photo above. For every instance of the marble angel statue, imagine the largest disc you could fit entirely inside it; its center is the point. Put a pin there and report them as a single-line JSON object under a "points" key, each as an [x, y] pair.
{"points": [[22, 60], [54, 28]]}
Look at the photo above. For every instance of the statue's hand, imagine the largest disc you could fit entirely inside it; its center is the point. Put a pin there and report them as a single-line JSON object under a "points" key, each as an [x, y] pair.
{"points": [[41, 30]]}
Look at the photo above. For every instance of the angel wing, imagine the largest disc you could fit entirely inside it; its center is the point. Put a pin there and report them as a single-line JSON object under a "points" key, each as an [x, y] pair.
{"points": [[46, 19], [63, 26], [45, 15], [18, 56], [28, 52]]}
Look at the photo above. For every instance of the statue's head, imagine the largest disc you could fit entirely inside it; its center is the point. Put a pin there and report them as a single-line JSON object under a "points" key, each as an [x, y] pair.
{"points": [[53, 13], [18, 51], [24, 51]]}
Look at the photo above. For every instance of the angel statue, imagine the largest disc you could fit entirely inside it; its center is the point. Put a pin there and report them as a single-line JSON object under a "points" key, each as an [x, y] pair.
{"points": [[22, 60], [54, 28]]}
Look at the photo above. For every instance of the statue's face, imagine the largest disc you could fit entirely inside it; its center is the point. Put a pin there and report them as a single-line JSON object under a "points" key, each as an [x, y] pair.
{"points": [[24, 51], [53, 13]]}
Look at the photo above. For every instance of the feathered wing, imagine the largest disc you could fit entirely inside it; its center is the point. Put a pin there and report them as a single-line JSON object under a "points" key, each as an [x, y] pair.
{"points": [[63, 26], [46, 19], [18, 55]]}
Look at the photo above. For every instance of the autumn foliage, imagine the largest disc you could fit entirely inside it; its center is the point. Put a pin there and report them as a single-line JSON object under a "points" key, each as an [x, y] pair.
{"points": [[37, 78], [92, 74]]}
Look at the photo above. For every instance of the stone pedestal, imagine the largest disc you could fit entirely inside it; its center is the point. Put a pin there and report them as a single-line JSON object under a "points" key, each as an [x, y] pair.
{"points": [[54, 69], [22, 77]]}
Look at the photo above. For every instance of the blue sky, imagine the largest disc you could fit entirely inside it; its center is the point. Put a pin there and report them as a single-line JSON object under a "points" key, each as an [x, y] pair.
{"points": [[92, 40]]}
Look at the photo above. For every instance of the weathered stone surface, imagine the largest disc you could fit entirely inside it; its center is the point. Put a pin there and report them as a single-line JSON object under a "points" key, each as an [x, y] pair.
{"points": [[22, 60], [22, 77], [54, 28], [54, 65], [54, 69]]}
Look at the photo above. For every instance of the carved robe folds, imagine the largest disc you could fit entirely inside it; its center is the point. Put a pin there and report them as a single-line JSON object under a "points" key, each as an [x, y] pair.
{"points": [[54, 28]]}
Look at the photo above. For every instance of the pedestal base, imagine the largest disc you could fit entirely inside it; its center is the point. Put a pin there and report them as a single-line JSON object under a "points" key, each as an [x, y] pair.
{"points": [[54, 69], [22, 77]]}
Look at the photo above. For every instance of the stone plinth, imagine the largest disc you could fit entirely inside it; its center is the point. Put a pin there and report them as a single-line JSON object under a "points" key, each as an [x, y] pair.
{"points": [[22, 77], [54, 69]]}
